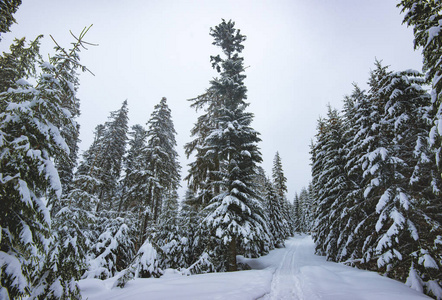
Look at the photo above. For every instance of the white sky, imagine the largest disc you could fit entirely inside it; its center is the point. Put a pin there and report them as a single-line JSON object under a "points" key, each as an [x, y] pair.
{"points": [[302, 55]]}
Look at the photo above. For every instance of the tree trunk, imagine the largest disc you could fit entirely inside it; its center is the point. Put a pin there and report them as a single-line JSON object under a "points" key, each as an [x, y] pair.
{"points": [[231, 256]]}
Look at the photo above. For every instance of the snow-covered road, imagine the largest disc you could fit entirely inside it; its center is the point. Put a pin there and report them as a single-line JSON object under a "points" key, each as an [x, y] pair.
{"points": [[293, 272], [301, 275]]}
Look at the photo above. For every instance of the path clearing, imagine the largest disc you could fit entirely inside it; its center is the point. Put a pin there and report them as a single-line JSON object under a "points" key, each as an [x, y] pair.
{"points": [[301, 275]]}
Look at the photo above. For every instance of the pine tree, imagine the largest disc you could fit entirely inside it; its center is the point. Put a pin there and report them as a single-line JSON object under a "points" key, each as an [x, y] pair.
{"points": [[234, 216], [279, 183], [66, 64], [400, 223], [134, 188], [162, 157], [31, 141], [279, 180], [356, 123], [109, 157], [169, 234], [424, 16], [330, 183], [275, 216], [189, 222], [65, 262], [377, 199]]}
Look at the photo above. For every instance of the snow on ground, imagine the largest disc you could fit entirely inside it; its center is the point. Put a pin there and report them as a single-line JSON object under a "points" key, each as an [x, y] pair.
{"points": [[293, 272]]}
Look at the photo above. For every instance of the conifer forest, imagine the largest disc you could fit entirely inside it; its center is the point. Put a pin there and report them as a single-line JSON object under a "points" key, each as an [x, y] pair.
{"points": [[115, 211]]}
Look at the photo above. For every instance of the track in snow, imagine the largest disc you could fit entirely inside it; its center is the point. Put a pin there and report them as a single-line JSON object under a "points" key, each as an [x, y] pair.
{"points": [[302, 275]]}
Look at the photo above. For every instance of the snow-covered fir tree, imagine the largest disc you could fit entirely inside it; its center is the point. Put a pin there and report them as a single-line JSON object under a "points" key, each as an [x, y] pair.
{"points": [[226, 166], [134, 186], [276, 222], [383, 216], [280, 185], [169, 234], [163, 166], [330, 182], [109, 157], [424, 17], [31, 143], [65, 262]]}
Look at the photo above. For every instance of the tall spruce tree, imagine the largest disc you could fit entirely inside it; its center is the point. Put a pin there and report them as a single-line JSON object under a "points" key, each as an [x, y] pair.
{"points": [[330, 182], [234, 215], [109, 157], [31, 143], [280, 185], [424, 16], [162, 157], [384, 216], [134, 186], [65, 263], [276, 222]]}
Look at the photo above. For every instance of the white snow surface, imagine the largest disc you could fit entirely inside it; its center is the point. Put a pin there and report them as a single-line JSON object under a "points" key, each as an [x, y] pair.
{"points": [[294, 272]]}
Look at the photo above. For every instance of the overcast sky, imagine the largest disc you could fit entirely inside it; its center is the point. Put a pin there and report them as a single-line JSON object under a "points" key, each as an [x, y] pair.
{"points": [[301, 56]]}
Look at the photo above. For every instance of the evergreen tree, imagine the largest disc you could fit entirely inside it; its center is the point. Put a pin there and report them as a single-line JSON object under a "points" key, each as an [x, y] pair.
{"points": [[397, 231], [31, 141], [234, 216], [279, 180], [66, 64], [112, 244], [109, 156], [276, 222], [65, 262], [330, 182], [170, 234], [377, 206], [134, 188], [356, 123], [163, 165], [424, 16]]}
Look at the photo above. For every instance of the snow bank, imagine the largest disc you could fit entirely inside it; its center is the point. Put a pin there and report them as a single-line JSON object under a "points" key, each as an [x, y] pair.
{"points": [[293, 272]]}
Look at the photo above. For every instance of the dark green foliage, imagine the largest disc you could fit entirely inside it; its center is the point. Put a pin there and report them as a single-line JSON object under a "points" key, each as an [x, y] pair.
{"points": [[222, 176], [377, 186], [7, 9], [19, 63]]}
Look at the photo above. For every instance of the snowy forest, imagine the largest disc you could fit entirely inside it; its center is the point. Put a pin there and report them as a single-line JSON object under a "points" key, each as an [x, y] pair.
{"points": [[114, 211]]}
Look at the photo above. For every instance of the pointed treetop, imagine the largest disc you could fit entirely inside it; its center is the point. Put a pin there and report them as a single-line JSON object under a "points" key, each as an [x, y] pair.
{"points": [[227, 37]]}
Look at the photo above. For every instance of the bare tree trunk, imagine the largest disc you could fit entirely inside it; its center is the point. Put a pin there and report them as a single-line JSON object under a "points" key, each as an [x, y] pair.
{"points": [[231, 256]]}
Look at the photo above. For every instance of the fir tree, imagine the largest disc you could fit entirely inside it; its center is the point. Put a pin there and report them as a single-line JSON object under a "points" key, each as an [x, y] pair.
{"points": [[169, 235], [163, 165], [424, 16], [109, 156], [330, 183], [276, 222], [234, 216], [279, 183], [66, 64], [31, 141], [134, 188]]}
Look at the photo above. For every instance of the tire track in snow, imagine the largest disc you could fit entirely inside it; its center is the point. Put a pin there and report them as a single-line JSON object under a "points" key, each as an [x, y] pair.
{"points": [[288, 281]]}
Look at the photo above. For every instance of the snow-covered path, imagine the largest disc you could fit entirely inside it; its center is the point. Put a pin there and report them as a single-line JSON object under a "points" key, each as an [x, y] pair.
{"points": [[293, 272], [301, 275]]}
